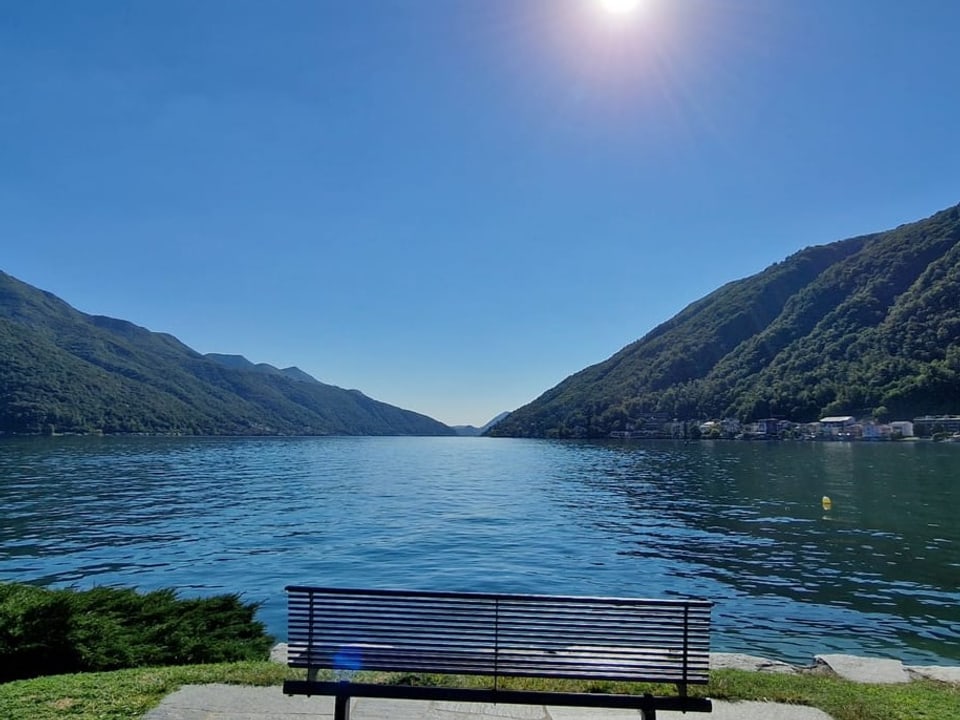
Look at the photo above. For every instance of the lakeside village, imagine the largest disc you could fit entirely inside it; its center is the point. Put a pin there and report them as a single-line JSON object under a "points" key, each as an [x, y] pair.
{"points": [[845, 428]]}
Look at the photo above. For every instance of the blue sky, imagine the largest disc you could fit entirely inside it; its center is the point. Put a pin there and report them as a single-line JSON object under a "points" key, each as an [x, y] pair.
{"points": [[452, 205]]}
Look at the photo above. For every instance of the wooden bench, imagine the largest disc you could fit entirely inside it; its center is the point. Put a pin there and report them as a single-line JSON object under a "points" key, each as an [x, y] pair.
{"points": [[534, 636]]}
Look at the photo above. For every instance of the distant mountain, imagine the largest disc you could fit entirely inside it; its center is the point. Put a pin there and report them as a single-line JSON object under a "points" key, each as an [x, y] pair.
{"points": [[66, 371], [471, 430], [869, 325]]}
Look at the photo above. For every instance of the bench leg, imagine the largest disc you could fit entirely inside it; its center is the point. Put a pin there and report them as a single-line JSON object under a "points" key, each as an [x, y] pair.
{"points": [[341, 706], [650, 711]]}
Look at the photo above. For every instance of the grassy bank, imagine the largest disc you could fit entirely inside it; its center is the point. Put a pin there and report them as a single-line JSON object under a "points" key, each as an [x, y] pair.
{"points": [[128, 694], [122, 694], [841, 699]]}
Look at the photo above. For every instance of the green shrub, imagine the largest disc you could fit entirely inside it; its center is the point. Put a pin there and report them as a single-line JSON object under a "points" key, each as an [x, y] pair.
{"points": [[34, 632], [44, 632]]}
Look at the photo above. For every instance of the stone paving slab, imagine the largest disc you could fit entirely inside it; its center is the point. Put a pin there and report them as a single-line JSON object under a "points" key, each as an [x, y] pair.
{"points": [[386, 709], [935, 672], [749, 711], [238, 702], [574, 713], [866, 670], [487, 710]]}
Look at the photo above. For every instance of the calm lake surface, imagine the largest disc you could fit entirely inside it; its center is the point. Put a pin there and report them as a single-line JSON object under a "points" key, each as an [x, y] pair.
{"points": [[738, 523]]}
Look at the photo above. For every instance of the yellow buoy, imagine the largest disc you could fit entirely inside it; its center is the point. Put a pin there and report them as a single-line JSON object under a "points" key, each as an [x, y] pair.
{"points": [[826, 502]]}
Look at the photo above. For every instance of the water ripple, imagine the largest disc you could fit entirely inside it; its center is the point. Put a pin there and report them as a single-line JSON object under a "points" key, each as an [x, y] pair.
{"points": [[739, 523]]}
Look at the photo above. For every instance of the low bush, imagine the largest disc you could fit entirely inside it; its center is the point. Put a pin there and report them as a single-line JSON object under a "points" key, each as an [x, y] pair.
{"points": [[46, 632]]}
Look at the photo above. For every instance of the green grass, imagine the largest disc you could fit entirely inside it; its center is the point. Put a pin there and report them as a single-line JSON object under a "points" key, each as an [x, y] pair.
{"points": [[122, 694], [129, 694], [841, 699]]}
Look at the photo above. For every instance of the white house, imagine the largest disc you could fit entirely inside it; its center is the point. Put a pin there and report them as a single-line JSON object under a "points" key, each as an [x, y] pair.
{"points": [[835, 425], [903, 428]]}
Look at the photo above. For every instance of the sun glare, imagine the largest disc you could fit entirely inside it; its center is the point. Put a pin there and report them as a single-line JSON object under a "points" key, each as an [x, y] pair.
{"points": [[620, 7]]}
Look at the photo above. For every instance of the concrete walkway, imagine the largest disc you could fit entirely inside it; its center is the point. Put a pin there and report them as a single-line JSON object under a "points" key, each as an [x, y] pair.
{"points": [[233, 702], [236, 702]]}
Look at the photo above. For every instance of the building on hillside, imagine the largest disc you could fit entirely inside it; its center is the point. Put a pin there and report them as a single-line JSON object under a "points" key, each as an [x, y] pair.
{"points": [[710, 429], [902, 428], [837, 426], [933, 424], [876, 431], [768, 427], [730, 427]]}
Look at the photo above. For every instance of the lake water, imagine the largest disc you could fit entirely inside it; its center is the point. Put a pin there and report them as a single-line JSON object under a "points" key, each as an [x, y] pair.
{"points": [[738, 523]]}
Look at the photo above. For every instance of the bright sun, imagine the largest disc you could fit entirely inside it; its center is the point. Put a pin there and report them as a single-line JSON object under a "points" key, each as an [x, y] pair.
{"points": [[620, 7]]}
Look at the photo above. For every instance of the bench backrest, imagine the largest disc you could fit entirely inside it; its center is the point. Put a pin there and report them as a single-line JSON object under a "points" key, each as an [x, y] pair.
{"points": [[500, 635]]}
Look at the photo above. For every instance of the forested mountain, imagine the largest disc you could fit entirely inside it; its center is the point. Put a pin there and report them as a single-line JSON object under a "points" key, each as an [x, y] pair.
{"points": [[62, 370], [869, 325]]}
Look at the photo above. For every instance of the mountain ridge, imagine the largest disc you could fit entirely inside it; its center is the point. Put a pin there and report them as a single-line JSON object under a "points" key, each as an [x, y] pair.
{"points": [[241, 363], [870, 324], [70, 372]]}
